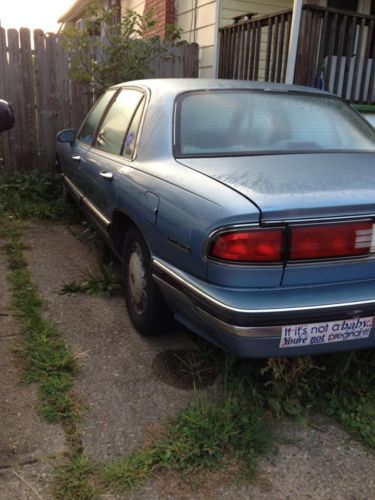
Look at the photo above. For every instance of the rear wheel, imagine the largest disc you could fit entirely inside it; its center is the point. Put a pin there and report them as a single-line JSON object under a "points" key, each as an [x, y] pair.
{"points": [[147, 309]]}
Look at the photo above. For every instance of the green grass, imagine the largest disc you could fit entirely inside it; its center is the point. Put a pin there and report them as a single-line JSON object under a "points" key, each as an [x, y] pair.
{"points": [[364, 108], [49, 362], [341, 386], [207, 435], [34, 196], [105, 284], [75, 480]]}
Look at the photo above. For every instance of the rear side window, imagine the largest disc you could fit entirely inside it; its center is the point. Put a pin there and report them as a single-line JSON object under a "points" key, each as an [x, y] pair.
{"points": [[131, 136], [88, 129], [240, 122], [117, 121]]}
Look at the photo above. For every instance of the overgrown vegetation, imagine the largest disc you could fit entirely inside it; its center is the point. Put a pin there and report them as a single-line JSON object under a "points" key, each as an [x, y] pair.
{"points": [[34, 196], [232, 424], [105, 284], [338, 385], [106, 50], [49, 362]]}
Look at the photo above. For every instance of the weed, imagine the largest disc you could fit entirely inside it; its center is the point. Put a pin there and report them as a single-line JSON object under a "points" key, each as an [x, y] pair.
{"points": [[49, 361], [339, 385], [105, 284], [34, 196], [74, 480], [203, 436]]}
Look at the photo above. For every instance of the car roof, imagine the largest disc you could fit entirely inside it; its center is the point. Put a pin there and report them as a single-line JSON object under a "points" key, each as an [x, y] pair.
{"points": [[179, 85]]}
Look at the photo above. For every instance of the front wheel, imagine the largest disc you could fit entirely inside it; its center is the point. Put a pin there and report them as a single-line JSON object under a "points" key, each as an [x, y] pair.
{"points": [[147, 309]]}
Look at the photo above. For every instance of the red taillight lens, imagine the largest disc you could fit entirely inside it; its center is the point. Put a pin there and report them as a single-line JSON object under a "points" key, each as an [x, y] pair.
{"points": [[248, 246], [331, 240]]}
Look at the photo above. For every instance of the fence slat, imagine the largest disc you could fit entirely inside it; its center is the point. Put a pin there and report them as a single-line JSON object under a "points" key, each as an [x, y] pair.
{"points": [[14, 93], [41, 78], [63, 84], [29, 141]]}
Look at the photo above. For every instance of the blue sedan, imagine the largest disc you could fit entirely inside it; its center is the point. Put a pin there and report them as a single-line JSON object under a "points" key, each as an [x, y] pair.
{"points": [[244, 210]]}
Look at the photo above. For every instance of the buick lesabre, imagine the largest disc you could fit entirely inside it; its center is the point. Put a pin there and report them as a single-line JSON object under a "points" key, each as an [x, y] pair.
{"points": [[245, 210]]}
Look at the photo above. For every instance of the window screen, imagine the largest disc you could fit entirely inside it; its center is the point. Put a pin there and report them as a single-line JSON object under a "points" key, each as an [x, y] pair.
{"points": [[116, 123]]}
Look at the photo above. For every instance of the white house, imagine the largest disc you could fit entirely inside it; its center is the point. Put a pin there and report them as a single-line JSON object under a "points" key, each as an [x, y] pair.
{"points": [[200, 21]]}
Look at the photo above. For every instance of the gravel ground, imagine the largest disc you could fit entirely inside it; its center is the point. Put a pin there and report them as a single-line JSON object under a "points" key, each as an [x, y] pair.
{"points": [[126, 400]]}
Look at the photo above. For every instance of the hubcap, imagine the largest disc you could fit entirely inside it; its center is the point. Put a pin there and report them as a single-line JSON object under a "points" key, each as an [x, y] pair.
{"points": [[137, 281]]}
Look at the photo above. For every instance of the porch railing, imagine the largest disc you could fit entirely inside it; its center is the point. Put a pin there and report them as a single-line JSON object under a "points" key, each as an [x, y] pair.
{"points": [[256, 49], [336, 51]]}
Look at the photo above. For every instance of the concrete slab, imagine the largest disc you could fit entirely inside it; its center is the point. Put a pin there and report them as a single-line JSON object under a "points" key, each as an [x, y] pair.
{"points": [[125, 397], [313, 465], [116, 378], [28, 482], [25, 439]]}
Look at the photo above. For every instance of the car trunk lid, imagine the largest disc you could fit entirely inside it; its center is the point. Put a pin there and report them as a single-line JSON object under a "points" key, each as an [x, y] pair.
{"points": [[298, 186], [294, 188]]}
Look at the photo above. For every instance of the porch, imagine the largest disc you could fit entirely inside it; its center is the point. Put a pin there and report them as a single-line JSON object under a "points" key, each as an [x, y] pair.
{"points": [[336, 51]]}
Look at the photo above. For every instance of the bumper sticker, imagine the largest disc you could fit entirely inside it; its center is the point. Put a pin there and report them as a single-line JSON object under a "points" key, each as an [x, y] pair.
{"points": [[327, 332]]}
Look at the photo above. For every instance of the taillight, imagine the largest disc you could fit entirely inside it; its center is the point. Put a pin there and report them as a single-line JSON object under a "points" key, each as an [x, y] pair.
{"points": [[330, 240], [248, 246]]}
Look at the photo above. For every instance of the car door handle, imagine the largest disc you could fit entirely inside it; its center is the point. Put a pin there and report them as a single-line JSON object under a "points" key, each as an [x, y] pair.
{"points": [[76, 158], [106, 175]]}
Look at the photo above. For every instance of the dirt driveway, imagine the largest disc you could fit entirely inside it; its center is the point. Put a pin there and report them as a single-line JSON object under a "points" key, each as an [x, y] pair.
{"points": [[127, 397]]}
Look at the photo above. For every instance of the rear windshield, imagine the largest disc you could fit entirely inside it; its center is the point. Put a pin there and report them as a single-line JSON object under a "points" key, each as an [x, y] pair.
{"points": [[242, 122]]}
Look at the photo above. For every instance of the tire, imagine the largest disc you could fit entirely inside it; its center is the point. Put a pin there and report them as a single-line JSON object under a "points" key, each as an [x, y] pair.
{"points": [[146, 307]]}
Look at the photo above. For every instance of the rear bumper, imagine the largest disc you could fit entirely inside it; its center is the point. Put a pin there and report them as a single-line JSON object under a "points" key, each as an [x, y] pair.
{"points": [[224, 317]]}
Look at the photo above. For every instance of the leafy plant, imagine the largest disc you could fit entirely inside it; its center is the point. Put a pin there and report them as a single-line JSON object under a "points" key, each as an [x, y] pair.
{"points": [[33, 195], [105, 52], [339, 385], [105, 284]]}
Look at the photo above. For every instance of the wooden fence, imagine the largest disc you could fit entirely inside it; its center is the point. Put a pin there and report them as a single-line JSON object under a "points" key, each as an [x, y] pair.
{"points": [[34, 79]]}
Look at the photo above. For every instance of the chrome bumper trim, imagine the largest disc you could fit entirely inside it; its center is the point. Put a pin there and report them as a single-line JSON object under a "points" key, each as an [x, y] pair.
{"points": [[238, 331], [241, 331], [200, 294]]}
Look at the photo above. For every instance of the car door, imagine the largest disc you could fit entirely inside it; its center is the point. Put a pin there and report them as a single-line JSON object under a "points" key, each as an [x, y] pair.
{"points": [[76, 161], [112, 151]]}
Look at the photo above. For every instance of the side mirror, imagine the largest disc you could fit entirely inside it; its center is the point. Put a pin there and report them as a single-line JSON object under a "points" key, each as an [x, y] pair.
{"points": [[6, 116], [68, 135]]}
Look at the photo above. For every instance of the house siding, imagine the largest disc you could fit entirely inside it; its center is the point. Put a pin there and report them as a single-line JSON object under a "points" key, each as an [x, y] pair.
{"points": [[234, 8], [136, 5], [198, 20]]}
